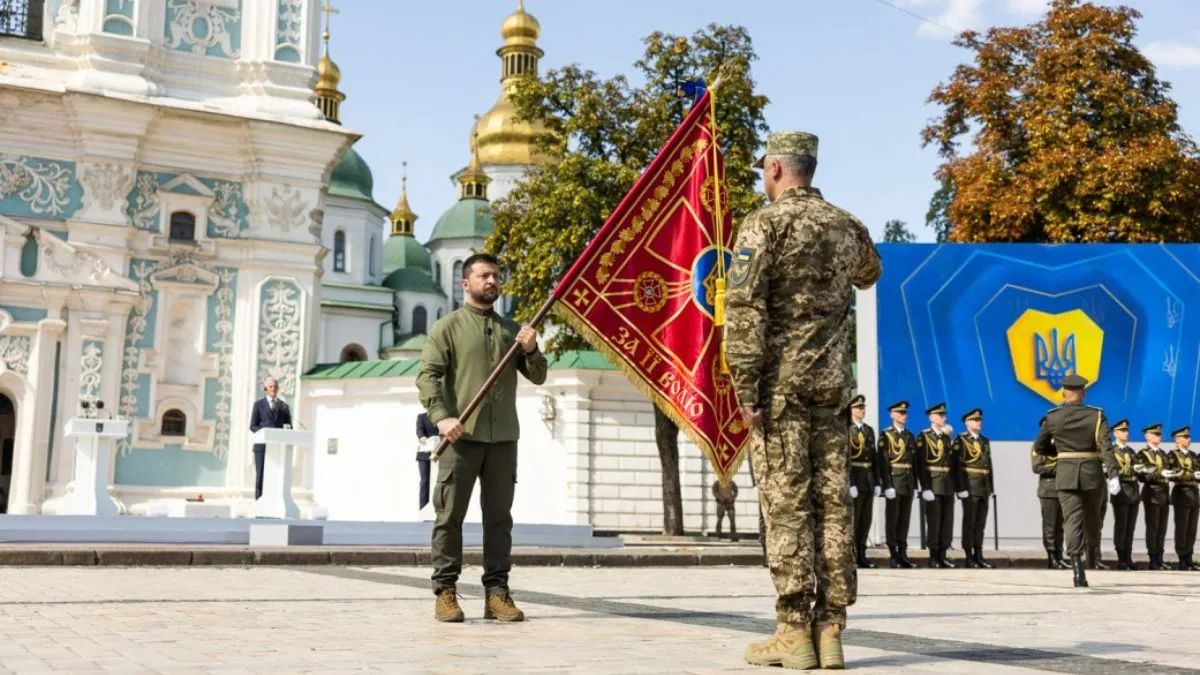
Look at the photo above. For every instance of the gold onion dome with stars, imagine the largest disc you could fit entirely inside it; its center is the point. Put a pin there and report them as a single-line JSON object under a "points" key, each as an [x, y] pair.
{"points": [[502, 138]]}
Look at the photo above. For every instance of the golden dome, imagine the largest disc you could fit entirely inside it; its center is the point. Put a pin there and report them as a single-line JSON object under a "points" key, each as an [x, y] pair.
{"points": [[501, 137], [329, 76], [402, 216], [474, 180]]}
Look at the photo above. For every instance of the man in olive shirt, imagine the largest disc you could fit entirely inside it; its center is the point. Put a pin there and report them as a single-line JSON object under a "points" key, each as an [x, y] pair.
{"points": [[462, 349], [1077, 435]]}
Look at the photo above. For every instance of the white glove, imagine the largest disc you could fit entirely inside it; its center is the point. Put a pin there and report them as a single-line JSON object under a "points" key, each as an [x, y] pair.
{"points": [[963, 494], [1170, 473], [877, 490], [1196, 475], [916, 494], [1114, 486], [947, 430], [890, 493], [853, 492], [927, 495]]}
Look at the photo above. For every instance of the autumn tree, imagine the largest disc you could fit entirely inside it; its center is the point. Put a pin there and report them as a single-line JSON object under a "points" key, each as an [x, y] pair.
{"points": [[1072, 136], [896, 232], [601, 134]]}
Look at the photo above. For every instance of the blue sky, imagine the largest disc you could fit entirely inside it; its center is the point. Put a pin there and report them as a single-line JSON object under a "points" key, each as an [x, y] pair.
{"points": [[855, 72]]}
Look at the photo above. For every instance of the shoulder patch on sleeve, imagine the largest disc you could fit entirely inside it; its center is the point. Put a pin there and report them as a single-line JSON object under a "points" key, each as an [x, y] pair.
{"points": [[743, 260]]}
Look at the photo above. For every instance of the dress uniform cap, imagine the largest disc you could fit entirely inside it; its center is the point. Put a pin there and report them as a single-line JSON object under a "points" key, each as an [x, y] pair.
{"points": [[898, 406], [859, 401], [1074, 381], [796, 143], [976, 414], [1186, 432], [1155, 428], [936, 409], [1121, 425]]}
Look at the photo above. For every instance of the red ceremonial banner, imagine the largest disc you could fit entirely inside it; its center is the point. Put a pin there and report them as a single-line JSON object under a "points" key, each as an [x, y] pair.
{"points": [[644, 290]]}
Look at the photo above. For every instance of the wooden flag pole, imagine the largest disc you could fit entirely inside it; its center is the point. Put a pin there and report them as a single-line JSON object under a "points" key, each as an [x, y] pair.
{"points": [[491, 381]]}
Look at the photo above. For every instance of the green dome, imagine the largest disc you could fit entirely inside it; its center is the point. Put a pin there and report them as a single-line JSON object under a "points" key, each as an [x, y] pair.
{"points": [[352, 177], [469, 218], [410, 279], [403, 251]]}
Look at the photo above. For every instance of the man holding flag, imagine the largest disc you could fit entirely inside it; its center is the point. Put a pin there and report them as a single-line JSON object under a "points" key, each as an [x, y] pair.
{"points": [[795, 266]]}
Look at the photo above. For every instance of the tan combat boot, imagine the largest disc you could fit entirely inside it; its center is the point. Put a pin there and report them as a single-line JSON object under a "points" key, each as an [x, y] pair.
{"points": [[791, 647], [446, 608], [828, 639], [500, 606]]}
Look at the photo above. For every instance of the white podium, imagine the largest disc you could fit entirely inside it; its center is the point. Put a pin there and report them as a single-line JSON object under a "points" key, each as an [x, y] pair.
{"points": [[276, 500], [87, 495]]}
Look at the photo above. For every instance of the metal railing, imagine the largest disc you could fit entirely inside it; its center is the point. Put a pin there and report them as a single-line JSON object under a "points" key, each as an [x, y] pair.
{"points": [[21, 18]]}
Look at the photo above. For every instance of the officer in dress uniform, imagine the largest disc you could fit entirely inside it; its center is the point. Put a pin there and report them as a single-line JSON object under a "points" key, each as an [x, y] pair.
{"points": [[1077, 435], [1123, 491], [867, 470], [1150, 464], [897, 445], [1052, 524], [937, 467], [1185, 498], [974, 453]]}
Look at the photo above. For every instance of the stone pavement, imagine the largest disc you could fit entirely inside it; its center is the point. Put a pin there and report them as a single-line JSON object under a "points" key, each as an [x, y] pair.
{"points": [[604, 620]]}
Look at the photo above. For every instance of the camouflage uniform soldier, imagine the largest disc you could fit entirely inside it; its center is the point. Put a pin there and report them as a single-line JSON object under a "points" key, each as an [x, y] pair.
{"points": [[1077, 435], [1185, 498], [796, 264], [974, 453], [1123, 487], [1150, 464]]}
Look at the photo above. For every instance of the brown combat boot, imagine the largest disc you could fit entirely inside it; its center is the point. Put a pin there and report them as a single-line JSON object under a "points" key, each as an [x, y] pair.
{"points": [[828, 639], [500, 606], [791, 647], [446, 608]]}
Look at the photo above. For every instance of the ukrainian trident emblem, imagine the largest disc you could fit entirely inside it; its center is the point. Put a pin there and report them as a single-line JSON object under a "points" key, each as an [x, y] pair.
{"points": [[1045, 348]]}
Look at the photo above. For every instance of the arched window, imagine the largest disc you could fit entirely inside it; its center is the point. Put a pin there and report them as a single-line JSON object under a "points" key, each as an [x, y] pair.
{"points": [[183, 226], [339, 251], [420, 319], [456, 288], [174, 423], [437, 274], [353, 352], [371, 259]]}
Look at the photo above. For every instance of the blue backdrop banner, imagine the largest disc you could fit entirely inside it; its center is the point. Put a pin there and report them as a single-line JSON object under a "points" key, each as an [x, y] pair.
{"points": [[997, 326]]}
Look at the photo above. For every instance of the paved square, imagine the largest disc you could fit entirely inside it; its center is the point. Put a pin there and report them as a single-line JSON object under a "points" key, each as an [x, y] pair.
{"points": [[637, 620]]}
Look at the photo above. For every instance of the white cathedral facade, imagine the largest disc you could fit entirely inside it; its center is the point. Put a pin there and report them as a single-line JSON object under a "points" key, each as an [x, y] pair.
{"points": [[182, 215]]}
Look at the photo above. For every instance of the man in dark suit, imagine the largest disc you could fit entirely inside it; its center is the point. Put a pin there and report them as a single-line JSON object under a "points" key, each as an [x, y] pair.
{"points": [[270, 412], [1123, 488], [426, 430], [897, 446]]}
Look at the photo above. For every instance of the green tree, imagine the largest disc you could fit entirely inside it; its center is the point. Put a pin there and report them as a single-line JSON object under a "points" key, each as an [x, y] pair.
{"points": [[896, 232], [1072, 136], [601, 134], [938, 215]]}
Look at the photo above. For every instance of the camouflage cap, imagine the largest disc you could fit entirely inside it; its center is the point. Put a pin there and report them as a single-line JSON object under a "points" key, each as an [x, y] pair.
{"points": [[797, 143]]}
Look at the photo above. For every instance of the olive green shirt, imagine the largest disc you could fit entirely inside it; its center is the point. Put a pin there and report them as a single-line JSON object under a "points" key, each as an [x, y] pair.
{"points": [[1077, 429], [459, 354]]}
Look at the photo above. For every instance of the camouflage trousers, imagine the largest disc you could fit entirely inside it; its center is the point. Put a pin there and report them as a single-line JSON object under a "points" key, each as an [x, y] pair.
{"points": [[802, 471]]}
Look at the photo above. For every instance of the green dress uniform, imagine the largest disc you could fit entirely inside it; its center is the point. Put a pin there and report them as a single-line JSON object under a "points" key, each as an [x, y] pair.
{"points": [[1185, 501], [1078, 435], [865, 477], [1052, 522], [460, 352], [974, 454], [1156, 500], [937, 467], [897, 448], [1125, 502]]}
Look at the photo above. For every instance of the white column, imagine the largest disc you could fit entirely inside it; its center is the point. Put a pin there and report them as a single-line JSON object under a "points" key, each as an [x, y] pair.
{"points": [[33, 432], [867, 336], [575, 423]]}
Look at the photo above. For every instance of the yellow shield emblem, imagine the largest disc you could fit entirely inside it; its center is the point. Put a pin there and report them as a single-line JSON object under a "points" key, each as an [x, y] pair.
{"points": [[1047, 347]]}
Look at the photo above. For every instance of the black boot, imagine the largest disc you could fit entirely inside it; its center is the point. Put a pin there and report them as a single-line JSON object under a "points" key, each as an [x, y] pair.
{"points": [[980, 562], [1124, 562], [971, 562], [1155, 562], [1051, 562], [866, 562], [1100, 563], [1080, 575], [1129, 561], [904, 561], [1059, 563], [1165, 565], [894, 552], [934, 563], [944, 562]]}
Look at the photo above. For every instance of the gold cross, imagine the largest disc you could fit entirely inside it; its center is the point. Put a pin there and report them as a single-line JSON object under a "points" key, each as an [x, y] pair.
{"points": [[329, 11], [582, 297]]}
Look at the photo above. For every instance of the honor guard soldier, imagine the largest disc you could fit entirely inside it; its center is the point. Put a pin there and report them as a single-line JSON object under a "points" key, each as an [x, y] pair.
{"points": [[867, 469], [1052, 524], [1078, 435], [937, 467], [1150, 464], [1123, 490], [974, 453], [1185, 499], [898, 447]]}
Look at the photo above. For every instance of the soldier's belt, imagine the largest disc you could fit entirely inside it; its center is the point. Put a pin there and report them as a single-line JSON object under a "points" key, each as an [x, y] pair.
{"points": [[982, 472], [938, 469], [861, 465], [902, 466], [1078, 455]]}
